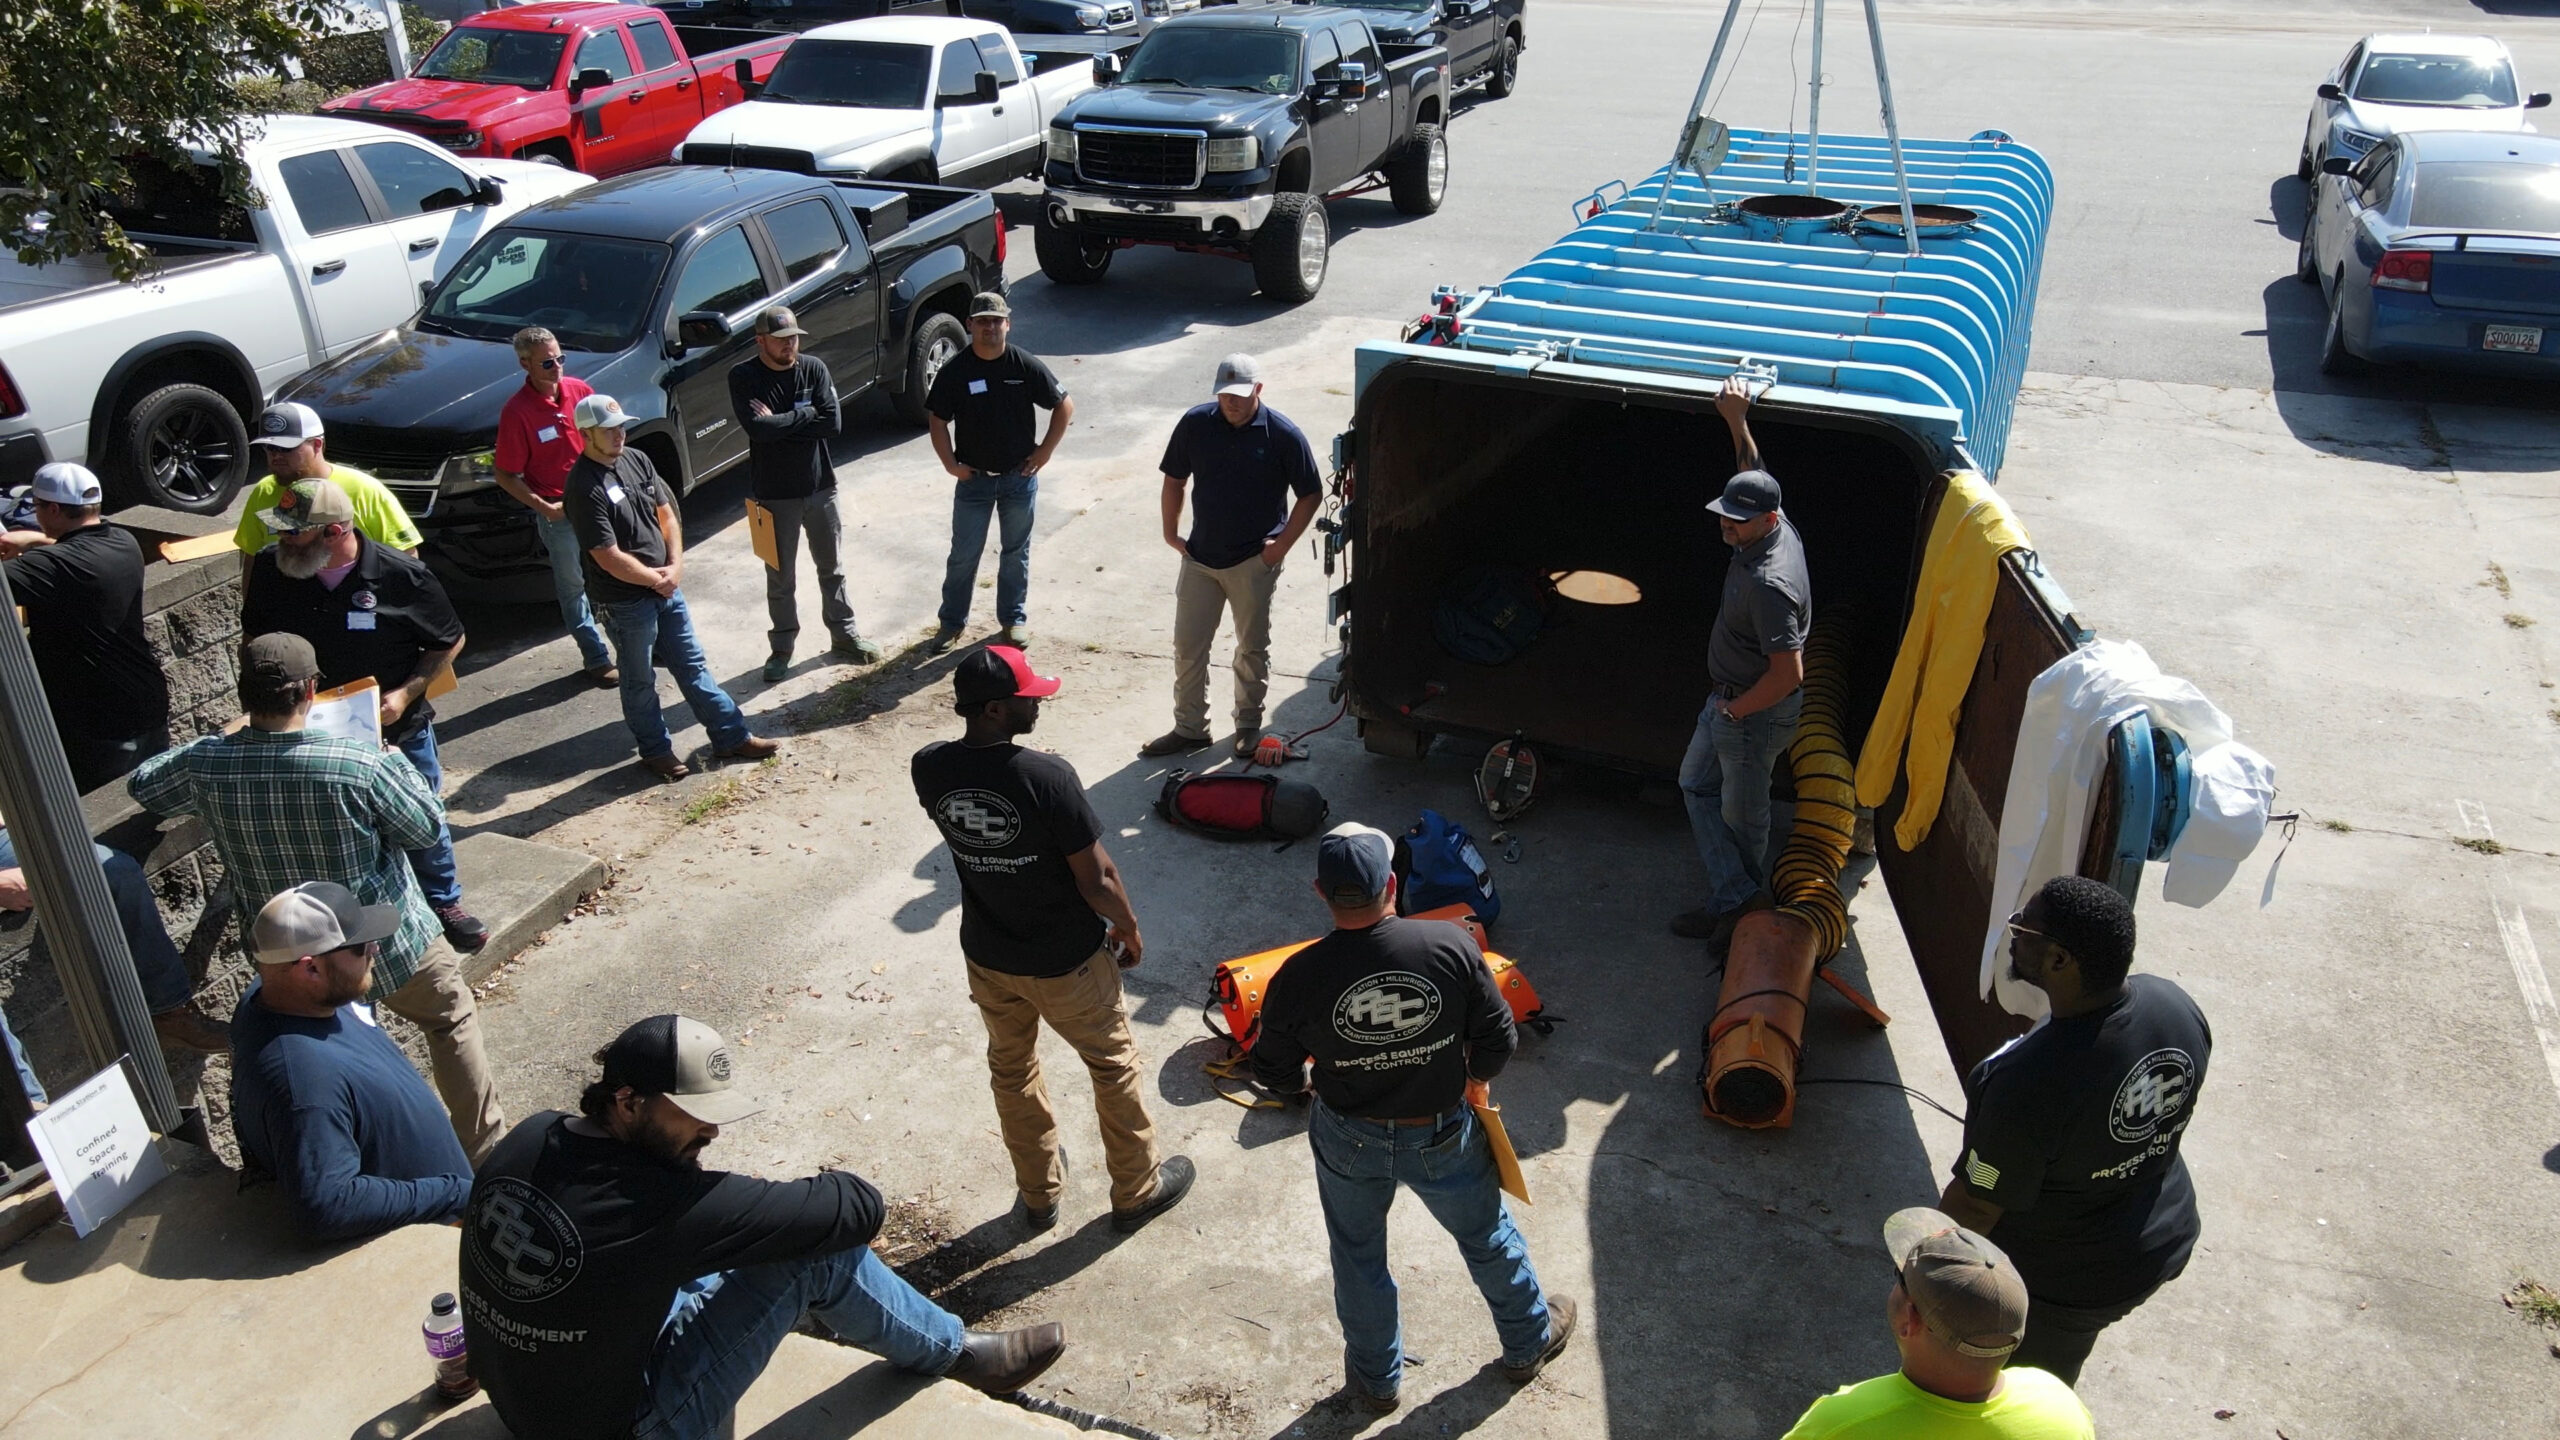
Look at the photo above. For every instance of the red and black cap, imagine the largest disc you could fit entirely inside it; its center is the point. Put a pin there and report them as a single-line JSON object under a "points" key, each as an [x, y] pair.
{"points": [[998, 672]]}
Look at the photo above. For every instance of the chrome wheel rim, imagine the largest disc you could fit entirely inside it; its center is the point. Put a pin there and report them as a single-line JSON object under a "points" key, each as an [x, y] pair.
{"points": [[1435, 169], [937, 355], [1311, 247]]}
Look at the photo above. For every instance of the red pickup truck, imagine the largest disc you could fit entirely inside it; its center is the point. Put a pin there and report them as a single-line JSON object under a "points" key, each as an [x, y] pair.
{"points": [[596, 86]]}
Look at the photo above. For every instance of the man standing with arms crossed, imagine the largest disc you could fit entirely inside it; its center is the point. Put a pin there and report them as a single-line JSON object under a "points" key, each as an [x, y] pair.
{"points": [[1243, 460], [1046, 929], [1755, 664], [989, 390], [786, 402], [537, 443], [1405, 1027], [631, 546]]}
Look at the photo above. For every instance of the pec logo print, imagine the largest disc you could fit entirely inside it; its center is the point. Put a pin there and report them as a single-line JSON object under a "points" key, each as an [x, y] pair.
{"points": [[1388, 1008], [2154, 1093], [521, 1241], [979, 819]]}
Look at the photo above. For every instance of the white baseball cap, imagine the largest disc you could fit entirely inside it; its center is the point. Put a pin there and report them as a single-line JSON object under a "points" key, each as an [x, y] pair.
{"points": [[600, 412], [315, 917], [2233, 789], [1238, 374], [62, 483], [287, 425]]}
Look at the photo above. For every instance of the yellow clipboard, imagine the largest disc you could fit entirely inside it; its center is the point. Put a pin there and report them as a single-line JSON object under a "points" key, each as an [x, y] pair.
{"points": [[1506, 1160], [760, 535]]}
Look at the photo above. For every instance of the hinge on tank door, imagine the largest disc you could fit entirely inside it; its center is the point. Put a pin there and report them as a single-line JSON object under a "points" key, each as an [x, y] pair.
{"points": [[1338, 604]]}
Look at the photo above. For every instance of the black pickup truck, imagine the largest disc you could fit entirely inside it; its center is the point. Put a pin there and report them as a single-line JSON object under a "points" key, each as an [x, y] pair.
{"points": [[651, 282], [1227, 130], [1484, 38]]}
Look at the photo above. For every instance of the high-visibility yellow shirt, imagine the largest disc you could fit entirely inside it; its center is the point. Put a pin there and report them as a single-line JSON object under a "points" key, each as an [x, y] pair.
{"points": [[379, 513]]}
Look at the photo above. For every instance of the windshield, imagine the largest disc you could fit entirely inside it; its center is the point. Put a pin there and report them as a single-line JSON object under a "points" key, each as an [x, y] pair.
{"points": [[2487, 195], [592, 293], [851, 72], [2461, 81], [1217, 57], [495, 57]]}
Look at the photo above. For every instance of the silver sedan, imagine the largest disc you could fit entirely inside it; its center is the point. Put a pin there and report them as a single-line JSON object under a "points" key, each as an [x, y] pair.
{"points": [[2394, 84]]}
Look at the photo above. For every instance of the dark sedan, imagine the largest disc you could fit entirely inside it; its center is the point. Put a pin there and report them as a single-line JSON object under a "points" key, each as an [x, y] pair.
{"points": [[2440, 248]]}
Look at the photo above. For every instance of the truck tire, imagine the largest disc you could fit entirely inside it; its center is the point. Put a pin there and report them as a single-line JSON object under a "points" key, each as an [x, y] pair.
{"points": [[1065, 257], [1394, 740], [182, 447], [1418, 177], [938, 337], [1506, 70], [1291, 249]]}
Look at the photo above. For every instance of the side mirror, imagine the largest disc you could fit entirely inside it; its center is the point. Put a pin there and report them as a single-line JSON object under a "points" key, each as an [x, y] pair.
{"points": [[2336, 165], [2331, 92], [488, 192], [1106, 69], [1351, 81], [988, 90], [588, 79], [2537, 100], [701, 329]]}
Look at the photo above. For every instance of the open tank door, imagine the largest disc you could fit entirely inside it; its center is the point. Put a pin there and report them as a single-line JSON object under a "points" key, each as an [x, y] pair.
{"points": [[1942, 890]]}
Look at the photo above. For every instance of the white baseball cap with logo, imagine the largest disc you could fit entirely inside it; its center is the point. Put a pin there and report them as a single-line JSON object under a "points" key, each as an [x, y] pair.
{"points": [[1238, 374], [287, 426], [62, 483], [599, 412], [314, 918], [682, 1059]]}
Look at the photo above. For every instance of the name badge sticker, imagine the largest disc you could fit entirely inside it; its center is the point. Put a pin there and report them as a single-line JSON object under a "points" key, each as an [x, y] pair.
{"points": [[547, 434], [361, 619], [977, 387], [613, 493]]}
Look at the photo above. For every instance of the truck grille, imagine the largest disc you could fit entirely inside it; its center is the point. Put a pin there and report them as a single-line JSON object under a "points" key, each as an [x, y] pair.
{"points": [[1119, 14], [751, 157], [1141, 159], [411, 472]]}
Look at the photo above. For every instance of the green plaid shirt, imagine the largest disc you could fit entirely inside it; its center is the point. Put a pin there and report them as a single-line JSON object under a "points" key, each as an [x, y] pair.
{"points": [[290, 807]]}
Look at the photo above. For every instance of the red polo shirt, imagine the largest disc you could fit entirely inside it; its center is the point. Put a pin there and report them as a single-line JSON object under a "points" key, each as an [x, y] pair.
{"points": [[537, 438]]}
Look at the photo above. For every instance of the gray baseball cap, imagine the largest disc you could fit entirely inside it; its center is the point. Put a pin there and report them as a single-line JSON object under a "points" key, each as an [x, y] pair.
{"points": [[777, 320], [1747, 496], [1238, 374], [315, 917], [682, 1059], [1353, 864]]}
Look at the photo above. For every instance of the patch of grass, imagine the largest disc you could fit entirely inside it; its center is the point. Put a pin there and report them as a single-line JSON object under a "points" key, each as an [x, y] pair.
{"points": [[2481, 844], [2498, 580], [2534, 1303], [2338, 826], [718, 799], [2519, 622]]}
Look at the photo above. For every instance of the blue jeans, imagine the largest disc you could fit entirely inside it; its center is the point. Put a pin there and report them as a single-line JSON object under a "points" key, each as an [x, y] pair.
{"points": [[1450, 1166], [724, 1328], [651, 632], [433, 864], [1010, 498], [1724, 780], [156, 962], [569, 587]]}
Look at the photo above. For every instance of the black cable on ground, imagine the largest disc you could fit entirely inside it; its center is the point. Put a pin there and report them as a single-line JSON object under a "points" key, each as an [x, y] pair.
{"points": [[1082, 1419], [1881, 1084]]}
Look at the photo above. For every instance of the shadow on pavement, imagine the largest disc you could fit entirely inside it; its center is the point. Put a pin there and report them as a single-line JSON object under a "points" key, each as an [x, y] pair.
{"points": [[1454, 1411], [195, 1225], [845, 1408]]}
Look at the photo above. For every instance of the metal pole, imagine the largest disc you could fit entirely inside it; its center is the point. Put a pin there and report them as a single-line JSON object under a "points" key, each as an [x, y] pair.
{"points": [[1813, 120], [1697, 103], [1892, 133], [395, 40], [67, 884]]}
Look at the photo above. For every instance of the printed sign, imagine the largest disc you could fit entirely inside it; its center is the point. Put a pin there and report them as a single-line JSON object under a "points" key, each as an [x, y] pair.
{"points": [[97, 1149]]}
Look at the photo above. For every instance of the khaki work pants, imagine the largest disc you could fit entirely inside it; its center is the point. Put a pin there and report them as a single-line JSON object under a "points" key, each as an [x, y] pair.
{"points": [[438, 1002], [1200, 596], [1085, 1007]]}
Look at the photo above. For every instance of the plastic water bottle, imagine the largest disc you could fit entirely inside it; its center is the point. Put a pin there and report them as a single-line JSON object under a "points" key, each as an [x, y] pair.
{"points": [[445, 1349]]}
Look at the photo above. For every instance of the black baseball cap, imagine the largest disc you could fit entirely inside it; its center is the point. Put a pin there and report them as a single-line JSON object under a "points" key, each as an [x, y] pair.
{"points": [[998, 672], [682, 1059], [1747, 496]]}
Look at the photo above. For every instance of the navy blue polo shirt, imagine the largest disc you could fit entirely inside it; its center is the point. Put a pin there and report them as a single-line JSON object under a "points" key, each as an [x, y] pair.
{"points": [[1241, 479]]}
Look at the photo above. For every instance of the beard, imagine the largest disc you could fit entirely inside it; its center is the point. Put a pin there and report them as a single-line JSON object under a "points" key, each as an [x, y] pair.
{"points": [[301, 562], [675, 1153]]}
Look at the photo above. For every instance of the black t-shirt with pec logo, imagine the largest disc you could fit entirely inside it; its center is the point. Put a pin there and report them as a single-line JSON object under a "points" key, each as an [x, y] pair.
{"points": [[2073, 1132], [572, 1251], [1397, 1017], [1012, 817]]}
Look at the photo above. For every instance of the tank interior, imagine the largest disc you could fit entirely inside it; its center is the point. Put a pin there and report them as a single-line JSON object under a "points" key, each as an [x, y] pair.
{"points": [[1458, 472]]}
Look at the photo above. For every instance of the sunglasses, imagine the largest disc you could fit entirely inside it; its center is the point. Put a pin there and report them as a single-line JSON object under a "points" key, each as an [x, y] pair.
{"points": [[551, 364], [2017, 927]]}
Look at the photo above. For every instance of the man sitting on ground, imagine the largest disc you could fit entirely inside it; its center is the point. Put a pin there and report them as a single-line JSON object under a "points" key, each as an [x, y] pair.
{"points": [[1957, 1308], [320, 1097], [611, 1286]]}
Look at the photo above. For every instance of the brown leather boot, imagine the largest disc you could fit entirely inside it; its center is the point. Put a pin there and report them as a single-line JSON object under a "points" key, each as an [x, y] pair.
{"points": [[1003, 1361]]}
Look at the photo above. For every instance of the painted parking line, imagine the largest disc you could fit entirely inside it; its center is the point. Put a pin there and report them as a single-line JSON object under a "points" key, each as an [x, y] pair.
{"points": [[2517, 937]]}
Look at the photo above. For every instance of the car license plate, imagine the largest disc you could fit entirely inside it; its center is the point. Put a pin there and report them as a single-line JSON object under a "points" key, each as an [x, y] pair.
{"points": [[2516, 339], [1165, 207]]}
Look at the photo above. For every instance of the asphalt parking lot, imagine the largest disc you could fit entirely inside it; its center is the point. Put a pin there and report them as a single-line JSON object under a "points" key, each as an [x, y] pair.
{"points": [[2362, 574]]}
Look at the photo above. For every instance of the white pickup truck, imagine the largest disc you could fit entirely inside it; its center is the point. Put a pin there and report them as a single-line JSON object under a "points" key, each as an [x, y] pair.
{"points": [[154, 384], [905, 97]]}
